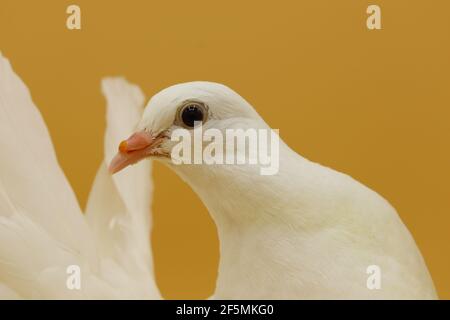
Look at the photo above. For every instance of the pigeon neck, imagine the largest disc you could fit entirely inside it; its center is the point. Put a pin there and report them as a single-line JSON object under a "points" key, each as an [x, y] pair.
{"points": [[238, 195]]}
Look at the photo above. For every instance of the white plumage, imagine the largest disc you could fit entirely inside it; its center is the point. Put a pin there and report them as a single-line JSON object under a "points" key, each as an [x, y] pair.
{"points": [[307, 232], [43, 230]]}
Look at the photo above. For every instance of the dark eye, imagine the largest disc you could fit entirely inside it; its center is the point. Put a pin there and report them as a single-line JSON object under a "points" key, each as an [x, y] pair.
{"points": [[191, 112]]}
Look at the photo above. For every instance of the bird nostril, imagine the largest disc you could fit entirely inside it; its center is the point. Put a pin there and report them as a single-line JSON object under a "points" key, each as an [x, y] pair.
{"points": [[123, 146]]}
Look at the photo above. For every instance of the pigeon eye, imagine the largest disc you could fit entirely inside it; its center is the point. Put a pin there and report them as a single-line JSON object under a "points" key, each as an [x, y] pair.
{"points": [[191, 112]]}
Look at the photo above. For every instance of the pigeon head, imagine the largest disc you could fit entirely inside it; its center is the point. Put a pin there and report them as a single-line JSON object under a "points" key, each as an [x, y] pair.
{"points": [[183, 105]]}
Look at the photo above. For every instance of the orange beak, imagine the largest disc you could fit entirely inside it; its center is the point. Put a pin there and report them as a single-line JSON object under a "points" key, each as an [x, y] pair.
{"points": [[137, 147]]}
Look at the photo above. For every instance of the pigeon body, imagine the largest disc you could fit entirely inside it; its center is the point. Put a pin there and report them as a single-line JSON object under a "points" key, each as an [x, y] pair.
{"points": [[306, 232]]}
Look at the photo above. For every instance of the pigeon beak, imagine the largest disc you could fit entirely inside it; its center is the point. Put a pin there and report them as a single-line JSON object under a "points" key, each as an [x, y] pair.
{"points": [[137, 147]]}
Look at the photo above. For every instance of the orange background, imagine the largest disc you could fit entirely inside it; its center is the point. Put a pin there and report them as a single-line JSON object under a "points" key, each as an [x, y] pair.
{"points": [[374, 104]]}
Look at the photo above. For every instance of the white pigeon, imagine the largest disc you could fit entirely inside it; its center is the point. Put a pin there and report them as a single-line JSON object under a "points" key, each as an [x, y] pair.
{"points": [[307, 232], [48, 248]]}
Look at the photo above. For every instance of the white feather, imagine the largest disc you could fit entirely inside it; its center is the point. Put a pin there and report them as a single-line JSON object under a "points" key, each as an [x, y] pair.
{"points": [[42, 229], [118, 206]]}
